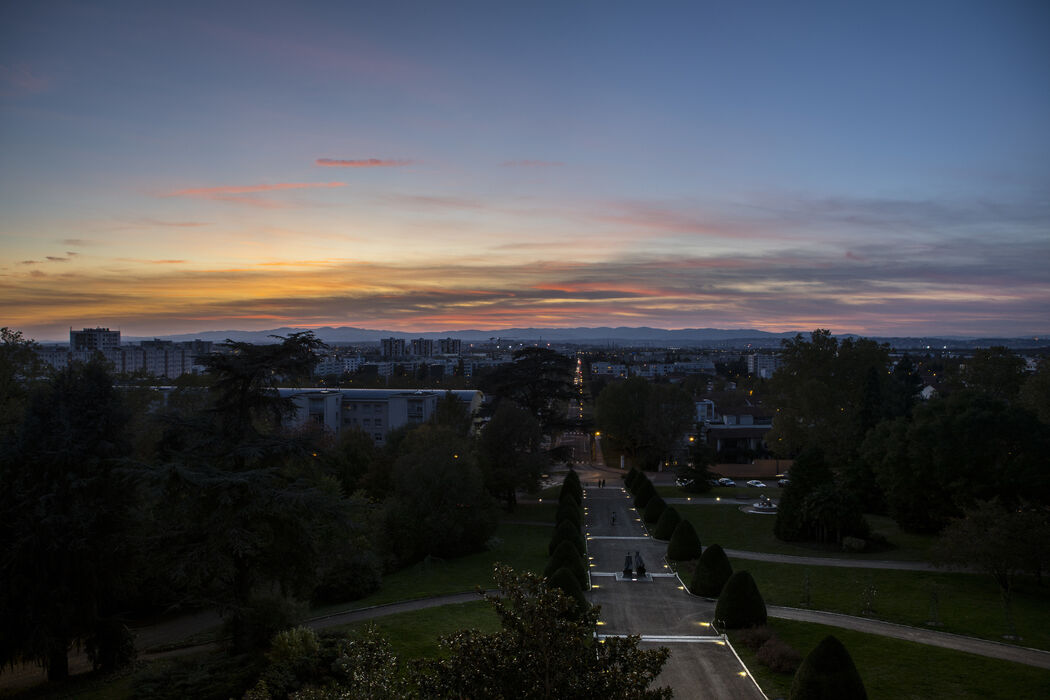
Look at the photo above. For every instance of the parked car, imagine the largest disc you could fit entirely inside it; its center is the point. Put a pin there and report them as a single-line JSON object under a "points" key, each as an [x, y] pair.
{"points": [[755, 484], [783, 482], [682, 482], [724, 481]]}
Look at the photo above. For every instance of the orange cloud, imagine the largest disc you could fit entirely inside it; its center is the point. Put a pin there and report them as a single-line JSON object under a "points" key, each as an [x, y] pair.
{"points": [[361, 163], [251, 189]]}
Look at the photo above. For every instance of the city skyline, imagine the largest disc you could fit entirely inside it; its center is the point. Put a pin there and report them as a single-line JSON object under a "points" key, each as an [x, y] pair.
{"points": [[881, 170]]}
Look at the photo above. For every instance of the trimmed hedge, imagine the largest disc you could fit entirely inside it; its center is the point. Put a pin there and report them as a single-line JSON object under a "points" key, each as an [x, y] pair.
{"points": [[571, 512], [568, 495], [684, 544], [566, 531], [644, 493], [740, 604], [566, 556], [712, 572], [666, 524], [828, 672], [654, 509], [566, 581], [631, 479]]}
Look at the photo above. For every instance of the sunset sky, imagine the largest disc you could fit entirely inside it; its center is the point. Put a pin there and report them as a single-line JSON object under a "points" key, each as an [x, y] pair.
{"points": [[880, 168]]}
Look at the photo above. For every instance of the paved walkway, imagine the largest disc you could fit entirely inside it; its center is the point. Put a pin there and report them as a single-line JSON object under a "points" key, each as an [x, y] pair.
{"points": [[702, 664]]}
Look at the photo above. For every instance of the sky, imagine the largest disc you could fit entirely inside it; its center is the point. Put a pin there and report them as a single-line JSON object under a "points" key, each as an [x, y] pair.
{"points": [[880, 168]]}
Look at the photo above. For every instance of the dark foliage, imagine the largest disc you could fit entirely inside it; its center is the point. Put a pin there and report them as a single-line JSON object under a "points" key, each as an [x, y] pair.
{"points": [[567, 532], [566, 556], [65, 552], [684, 544], [712, 572], [667, 523], [654, 509], [828, 673], [740, 604]]}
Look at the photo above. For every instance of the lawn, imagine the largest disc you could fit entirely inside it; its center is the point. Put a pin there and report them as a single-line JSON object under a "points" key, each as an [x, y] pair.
{"points": [[967, 604], [898, 670], [732, 528], [521, 546], [415, 634]]}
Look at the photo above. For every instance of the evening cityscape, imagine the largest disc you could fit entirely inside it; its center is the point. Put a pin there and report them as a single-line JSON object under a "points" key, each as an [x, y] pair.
{"points": [[525, 350]]}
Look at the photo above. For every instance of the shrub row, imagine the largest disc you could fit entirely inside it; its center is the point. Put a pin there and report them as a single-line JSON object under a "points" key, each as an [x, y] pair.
{"points": [[567, 567]]}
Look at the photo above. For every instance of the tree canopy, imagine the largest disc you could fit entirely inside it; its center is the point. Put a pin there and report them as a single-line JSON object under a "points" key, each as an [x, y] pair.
{"points": [[645, 420]]}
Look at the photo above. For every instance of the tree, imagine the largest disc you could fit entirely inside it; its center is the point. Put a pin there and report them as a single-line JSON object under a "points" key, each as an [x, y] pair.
{"points": [[510, 455], [813, 507], [545, 649], [829, 394], [438, 505], [712, 571], [645, 420], [246, 506], [740, 604], [667, 523], [64, 555], [684, 544], [536, 380], [1035, 392], [697, 474], [828, 673], [654, 509], [19, 366], [954, 451], [996, 372], [452, 413], [999, 541]]}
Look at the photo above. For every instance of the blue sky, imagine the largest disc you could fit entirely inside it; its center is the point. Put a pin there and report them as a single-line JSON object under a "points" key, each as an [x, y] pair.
{"points": [[880, 168]]}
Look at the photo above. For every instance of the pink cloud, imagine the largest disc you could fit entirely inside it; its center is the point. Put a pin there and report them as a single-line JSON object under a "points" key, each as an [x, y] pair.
{"points": [[19, 79], [531, 164], [242, 194], [362, 163], [250, 189]]}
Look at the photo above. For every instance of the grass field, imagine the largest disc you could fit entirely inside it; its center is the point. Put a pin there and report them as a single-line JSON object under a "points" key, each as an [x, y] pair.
{"points": [[521, 546], [732, 528], [898, 670], [967, 604], [415, 634]]}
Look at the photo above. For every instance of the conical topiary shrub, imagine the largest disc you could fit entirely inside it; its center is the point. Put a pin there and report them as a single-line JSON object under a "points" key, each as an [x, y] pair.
{"points": [[567, 556], [666, 524], [631, 478], [828, 672], [740, 604], [567, 531], [643, 494], [712, 572], [684, 544], [572, 485], [654, 509], [571, 511], [568, 495], [566, 581]]}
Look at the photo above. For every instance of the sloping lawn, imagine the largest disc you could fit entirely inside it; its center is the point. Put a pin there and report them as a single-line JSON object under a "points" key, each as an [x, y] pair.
{"points": [[967, 604], [894, 669]]}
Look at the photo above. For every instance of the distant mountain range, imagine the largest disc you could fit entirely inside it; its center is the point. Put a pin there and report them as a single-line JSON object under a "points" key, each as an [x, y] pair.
{"points": [[621, 336]]}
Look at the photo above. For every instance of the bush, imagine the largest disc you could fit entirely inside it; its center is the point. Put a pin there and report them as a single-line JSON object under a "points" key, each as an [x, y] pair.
{"points": [[712, 572], [349, 575], [567, 495], [654, 509], [778, 655], [644, 493], [564, 580], [740, 604], [754, 637], [828, 672], [684, 544], [572, 484], [566, 531], [571, 512], [210, 677], [666, 524], [568, 557], [854, 544], [629, 477], [253, 627]]}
